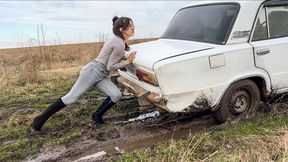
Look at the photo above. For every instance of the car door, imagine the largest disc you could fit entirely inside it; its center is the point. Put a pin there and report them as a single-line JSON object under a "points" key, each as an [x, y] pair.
{"points": [[270, 42]]}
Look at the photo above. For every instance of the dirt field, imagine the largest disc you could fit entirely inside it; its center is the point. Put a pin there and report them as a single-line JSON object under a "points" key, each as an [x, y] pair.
{"points": [[32, 78]]}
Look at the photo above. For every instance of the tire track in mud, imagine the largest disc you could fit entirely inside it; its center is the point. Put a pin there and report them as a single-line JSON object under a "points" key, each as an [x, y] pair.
{"points": [[105, 140], [127, 137], [146, 136]]}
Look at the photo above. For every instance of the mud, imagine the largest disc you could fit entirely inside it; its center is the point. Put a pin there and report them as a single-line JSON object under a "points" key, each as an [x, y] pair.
{"points": [[114, 139], [199, 105], [108, 135], [125, 137], [146, 137]]}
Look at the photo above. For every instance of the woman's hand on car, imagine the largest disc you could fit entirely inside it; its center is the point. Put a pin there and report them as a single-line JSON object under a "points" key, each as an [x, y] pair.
{"points": [[131, 57]]}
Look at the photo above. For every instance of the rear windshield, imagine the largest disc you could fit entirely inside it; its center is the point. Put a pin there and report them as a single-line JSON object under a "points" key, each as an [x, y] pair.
{"points": [[210, 23]]}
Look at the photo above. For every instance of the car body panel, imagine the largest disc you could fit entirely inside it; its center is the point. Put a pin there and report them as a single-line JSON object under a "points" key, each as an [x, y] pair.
{"points": [[149, 53], [194, 76]]}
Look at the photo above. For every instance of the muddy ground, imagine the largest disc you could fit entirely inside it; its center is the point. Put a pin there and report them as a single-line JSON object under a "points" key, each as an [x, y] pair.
{"points": [[116, 138], [137, 136]]}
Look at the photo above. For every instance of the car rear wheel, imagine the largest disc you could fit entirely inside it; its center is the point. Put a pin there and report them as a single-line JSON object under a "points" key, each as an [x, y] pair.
{"points": [[241, 99]]}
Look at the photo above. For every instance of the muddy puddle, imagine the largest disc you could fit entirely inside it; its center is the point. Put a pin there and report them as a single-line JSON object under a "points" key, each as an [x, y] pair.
{"points": [[110, 142], [143, 136], [113, 152]]}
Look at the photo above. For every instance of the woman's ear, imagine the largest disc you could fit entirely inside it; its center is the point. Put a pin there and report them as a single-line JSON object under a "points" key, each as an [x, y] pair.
{"points": [[121, 29]]}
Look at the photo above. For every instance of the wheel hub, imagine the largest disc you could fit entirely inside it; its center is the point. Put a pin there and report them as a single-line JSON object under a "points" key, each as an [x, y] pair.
{"points": [[240, 105], [241, 101]]}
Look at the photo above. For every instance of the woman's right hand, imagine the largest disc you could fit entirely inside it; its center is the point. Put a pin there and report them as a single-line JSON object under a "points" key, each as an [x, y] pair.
{"points": [[131, 57]]}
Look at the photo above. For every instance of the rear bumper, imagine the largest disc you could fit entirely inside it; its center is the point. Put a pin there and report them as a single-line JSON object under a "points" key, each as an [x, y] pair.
{"points": [[145, 97]]}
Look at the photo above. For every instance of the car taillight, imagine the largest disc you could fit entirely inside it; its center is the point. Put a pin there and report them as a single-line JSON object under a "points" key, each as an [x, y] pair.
{"points": [[146, 77]]}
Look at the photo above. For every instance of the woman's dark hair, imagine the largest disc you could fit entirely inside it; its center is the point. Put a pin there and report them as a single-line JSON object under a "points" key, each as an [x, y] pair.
{"points": [[122, 22]]}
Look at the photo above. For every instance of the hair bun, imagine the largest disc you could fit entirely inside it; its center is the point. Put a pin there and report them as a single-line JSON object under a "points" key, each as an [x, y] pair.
{"points": [[115, 18]]}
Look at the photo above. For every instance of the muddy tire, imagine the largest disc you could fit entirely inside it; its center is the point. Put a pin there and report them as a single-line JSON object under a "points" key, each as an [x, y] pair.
{"points": [[241, 99]]}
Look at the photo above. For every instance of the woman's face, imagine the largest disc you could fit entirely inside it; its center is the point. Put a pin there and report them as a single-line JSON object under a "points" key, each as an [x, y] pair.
{"points": [[129, 32]]}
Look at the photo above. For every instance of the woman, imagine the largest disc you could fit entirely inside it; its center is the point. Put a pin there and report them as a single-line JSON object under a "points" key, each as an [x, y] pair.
{"points": [[111, 57]]}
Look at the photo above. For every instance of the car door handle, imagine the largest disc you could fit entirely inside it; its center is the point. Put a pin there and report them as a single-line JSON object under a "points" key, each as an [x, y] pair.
{"points": [[263, 51]]}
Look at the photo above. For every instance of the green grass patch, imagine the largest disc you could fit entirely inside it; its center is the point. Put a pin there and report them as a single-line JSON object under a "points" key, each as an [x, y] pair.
{"points": [[12, 132], [261, 125], [62, 128], [35, 93], [19, 149], [68, 137], [41, 90]]}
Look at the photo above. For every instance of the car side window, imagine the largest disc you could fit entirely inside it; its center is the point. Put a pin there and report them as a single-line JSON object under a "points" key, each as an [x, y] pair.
{"points": [[260, 32], [278, 21]]}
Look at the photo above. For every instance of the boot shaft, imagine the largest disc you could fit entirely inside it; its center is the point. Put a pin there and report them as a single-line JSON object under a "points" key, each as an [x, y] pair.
{"points": [[47, 113], [105, 106]]}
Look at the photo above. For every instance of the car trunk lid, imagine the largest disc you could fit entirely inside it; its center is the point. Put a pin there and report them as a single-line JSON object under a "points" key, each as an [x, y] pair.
{"points": [[149, 53]]}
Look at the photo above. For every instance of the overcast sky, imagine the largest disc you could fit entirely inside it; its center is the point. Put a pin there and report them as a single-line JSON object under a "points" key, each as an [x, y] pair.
{"points": [[79, 21]]}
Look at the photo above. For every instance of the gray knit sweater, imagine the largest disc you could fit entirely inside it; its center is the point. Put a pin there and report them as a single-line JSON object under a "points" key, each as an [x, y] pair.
{"points": [[112, 54]]}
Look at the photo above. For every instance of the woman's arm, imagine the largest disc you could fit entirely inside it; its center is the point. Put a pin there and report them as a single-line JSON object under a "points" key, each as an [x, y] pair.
{"points": [[115, 60]]}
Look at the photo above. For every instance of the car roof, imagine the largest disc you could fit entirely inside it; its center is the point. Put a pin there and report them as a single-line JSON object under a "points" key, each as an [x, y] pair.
{"points": [[241, 2]]}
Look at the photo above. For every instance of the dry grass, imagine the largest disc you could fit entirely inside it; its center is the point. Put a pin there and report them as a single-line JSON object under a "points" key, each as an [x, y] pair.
{"points": [[38, 64], [21, 65], [261, 148]]}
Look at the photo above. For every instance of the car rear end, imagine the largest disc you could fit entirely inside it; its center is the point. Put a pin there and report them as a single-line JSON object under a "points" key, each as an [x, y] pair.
{"points": [[183, 54], [143, 83]]}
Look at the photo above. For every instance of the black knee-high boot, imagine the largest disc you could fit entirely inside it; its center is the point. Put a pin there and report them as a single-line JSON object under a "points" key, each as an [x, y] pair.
{"points": [[104, 107], [46, 114]]}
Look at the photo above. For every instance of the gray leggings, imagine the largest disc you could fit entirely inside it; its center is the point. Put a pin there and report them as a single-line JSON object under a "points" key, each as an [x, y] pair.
{"points": [[93, 73]]}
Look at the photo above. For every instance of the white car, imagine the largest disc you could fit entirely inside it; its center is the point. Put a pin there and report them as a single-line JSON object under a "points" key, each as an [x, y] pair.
{"points": [[220, 55]]}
